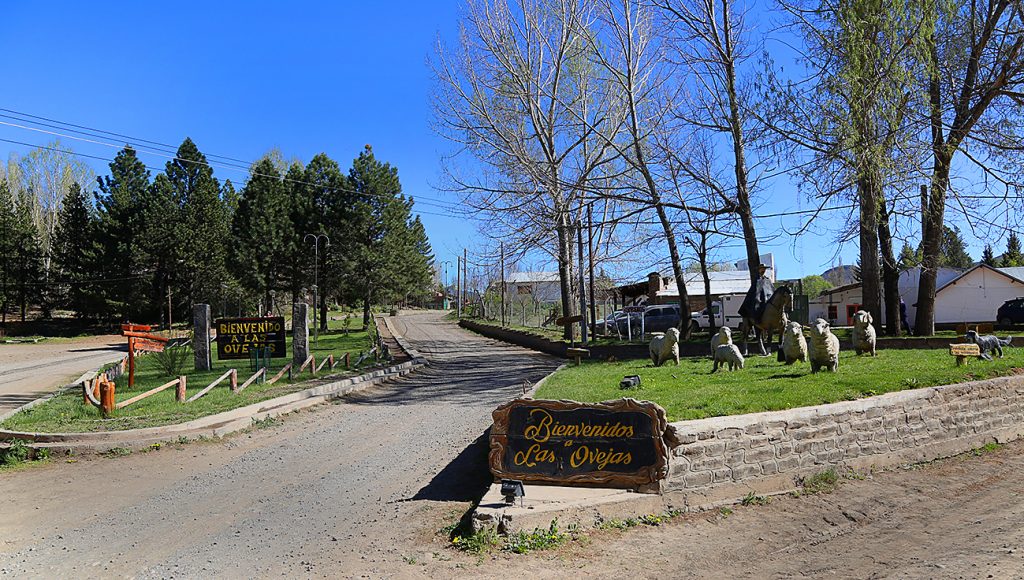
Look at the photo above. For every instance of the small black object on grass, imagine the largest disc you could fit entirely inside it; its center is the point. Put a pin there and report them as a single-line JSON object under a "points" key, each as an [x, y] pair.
{"points": [[630, 382]]}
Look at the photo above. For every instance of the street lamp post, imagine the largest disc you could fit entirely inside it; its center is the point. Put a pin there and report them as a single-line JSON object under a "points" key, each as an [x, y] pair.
{"points": [[316, 280], [444, 303]]}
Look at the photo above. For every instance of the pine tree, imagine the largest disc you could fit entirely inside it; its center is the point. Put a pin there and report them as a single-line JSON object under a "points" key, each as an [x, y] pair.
{"points": [[327, 191], [300, 216], [74, 254], [988, 257], [203, 232], [122, 234], [8, 243], [261, 231], [954, 251], [27, 254], [1012, 257], [909, 258]]}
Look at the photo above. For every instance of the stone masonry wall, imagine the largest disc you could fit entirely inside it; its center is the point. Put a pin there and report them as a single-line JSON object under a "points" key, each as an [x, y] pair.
{"points": [[908, 426]]}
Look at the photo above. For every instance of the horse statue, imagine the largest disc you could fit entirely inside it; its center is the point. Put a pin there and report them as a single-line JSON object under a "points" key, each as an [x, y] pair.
{"points": [[770, 319]]}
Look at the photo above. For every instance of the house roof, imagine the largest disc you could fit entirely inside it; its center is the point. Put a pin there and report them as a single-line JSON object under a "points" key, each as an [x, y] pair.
{"points": [[730, 282], [842, 288], [531, 277], [1015, 274]]}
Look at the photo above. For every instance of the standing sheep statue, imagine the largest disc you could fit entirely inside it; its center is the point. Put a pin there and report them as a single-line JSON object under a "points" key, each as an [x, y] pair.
{"points": [[823, 350], [863, 333], [724, 336], [728, 354], [794, 345], [665, 347]]}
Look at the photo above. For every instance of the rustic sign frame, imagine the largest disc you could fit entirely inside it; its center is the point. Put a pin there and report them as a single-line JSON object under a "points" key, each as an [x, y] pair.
{"points": [[263, 339], [643, 476]]}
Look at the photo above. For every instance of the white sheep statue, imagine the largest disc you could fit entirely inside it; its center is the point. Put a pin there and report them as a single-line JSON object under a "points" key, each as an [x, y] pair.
{"points": [[823, 350], [724, 336], [665, 347], [728, 354], [794, 345], [863, 333]]}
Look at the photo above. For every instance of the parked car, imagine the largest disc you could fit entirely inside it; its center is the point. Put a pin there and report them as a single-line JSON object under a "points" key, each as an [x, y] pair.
{"points": [[657, 318], [1011, 312]]}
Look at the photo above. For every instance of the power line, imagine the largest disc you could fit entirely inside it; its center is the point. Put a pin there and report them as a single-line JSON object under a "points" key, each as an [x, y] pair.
{"points": [[425, 200]]}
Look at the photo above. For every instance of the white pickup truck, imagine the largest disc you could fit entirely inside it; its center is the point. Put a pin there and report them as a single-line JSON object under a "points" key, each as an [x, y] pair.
{"points": [[725, 311]]}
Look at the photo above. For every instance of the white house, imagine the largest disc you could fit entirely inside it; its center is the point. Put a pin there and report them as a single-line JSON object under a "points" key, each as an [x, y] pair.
{"points": [[720, 283], [540, 286], [839, 304], [975, 295]]}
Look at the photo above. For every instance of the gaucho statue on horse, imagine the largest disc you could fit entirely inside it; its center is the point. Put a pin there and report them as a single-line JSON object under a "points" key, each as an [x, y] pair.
{"points": [[764, 310]]}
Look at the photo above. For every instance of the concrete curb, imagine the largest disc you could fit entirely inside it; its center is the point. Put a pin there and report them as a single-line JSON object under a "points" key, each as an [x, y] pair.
{"points": [[217, 425], [76, 384]]}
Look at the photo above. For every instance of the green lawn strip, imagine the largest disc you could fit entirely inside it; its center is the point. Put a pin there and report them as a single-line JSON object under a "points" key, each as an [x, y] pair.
{"points": [[67, 413], [690, 391]]}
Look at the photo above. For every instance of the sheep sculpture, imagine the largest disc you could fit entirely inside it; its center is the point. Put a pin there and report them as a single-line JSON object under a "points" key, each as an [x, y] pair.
{"points": [[823, 350], [863, 333], [665, 347], [727, 354], [724, 336], [794, 345]]}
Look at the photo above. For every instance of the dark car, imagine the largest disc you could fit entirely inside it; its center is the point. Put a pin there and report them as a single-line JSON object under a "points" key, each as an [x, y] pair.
{"points": [[654, 319], [1011, 312]]}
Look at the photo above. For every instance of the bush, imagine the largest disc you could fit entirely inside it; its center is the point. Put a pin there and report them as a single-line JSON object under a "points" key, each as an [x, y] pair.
{"points": [[16, 453], [172, 360]]}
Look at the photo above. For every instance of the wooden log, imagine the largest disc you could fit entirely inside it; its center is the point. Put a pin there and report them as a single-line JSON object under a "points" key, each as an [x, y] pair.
{"points": [[209, 387], [234, 380], [327, 361], [346, 361], [89, 397], [277, 377], [262, 371], [137, 398], [179, 394], [107, 398], [310, 360]]}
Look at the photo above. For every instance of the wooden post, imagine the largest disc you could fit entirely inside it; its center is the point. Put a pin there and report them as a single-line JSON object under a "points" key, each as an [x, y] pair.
{"points": [[234, 380], [131, 362], [107, 398], [346, 361], [96, 388], [179, 394]]}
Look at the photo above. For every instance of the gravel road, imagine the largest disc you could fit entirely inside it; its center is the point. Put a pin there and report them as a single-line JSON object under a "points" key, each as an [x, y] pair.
{"points": [[339, 491], [29, 371]]}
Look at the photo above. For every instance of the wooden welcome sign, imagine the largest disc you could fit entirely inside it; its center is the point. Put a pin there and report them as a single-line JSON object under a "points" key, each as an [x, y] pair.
{"points": [[614, 443]]}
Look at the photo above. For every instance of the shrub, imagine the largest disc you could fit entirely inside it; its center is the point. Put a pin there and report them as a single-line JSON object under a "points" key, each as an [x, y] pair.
{"points": [[172, 360]]}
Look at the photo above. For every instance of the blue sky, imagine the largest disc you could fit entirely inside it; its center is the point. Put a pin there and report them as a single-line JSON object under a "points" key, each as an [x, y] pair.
{"points": [[242, 78]]}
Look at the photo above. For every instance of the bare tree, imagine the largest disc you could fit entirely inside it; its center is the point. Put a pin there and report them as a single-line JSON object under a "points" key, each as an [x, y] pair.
{"points": [[974, 80], [517, 97]]}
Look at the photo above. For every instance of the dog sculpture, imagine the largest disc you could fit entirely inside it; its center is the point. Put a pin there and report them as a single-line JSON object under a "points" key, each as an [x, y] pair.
{"points": [[794, 345], [728, 354], [823, 350], [988, 343], [724, 336], [863, 333], [665, 347]]}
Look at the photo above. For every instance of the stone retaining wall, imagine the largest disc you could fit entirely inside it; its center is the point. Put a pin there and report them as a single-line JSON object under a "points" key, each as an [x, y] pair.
{"points": [[771, 451]]}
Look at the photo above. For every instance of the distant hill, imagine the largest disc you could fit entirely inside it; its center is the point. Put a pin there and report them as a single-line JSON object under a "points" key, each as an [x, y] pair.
{"points": [[839, 275]]}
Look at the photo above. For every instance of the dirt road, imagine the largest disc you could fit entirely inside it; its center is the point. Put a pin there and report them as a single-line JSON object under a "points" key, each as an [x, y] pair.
{"points": [[29, 371], [343, 490]]}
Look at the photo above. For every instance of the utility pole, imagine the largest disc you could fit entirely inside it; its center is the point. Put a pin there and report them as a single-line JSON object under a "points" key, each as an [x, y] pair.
{"points": [[583, 287], [502, 302], [444, 286], [465, 275], [316, 280], [458, 286], [590, 261]]}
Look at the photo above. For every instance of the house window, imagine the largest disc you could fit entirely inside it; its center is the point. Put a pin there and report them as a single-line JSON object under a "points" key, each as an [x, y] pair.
{"points": [[833, 312]]}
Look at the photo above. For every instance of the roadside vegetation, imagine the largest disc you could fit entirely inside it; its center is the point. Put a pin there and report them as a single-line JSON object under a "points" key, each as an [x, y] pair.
{"points": [[67, 413], [691, 391]]}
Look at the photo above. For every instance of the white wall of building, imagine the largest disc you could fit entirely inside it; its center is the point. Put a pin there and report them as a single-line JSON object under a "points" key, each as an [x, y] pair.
{"points": [[975, 297]]}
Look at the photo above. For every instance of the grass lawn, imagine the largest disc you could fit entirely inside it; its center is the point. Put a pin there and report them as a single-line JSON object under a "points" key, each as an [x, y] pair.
{"points": [[67, 413], [690, 391]]}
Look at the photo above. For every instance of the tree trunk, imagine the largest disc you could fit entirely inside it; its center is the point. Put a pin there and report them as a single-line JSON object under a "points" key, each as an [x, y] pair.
{"points": [[366, 307], [743, 208], [890, 274], [702, 255], [867, 190], [677, 268], [565, 270]]}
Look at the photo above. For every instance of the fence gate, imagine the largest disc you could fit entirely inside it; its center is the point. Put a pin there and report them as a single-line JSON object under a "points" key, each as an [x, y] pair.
{"points": [[801, 309]]}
